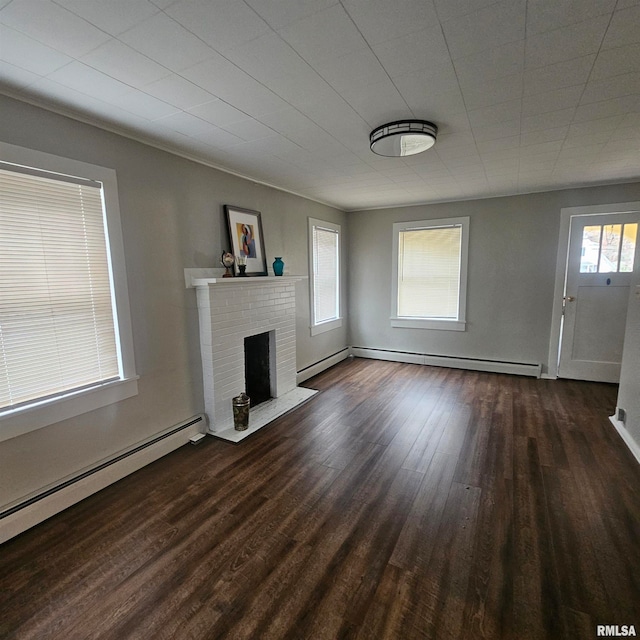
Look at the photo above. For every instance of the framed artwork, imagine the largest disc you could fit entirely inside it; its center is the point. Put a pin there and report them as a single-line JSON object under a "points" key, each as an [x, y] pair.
{"points": [[247, 239]]}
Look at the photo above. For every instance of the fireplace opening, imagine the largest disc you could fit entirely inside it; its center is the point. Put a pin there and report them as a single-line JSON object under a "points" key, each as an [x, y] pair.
{"points": [[257, 368]]}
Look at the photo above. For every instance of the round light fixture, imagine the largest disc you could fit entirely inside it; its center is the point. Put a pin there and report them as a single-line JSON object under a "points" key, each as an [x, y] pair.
{"points": [[403, 138]]}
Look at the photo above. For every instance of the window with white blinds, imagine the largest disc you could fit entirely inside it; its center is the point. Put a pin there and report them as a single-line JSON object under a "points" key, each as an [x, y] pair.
{"points": [[58, 317], [324, 240], [430, 273]]}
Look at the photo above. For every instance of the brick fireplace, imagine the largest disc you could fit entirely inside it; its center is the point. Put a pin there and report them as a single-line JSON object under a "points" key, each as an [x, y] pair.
{"points": [[230, 310]]}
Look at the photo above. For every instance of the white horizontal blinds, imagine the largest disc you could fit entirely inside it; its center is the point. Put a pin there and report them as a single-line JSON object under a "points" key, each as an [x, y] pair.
{"points": [[429, 272], [56, 316], [325, 274]]}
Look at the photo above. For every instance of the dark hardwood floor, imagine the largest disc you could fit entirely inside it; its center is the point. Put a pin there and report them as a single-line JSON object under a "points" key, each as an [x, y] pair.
{"points": [[401, 502]]}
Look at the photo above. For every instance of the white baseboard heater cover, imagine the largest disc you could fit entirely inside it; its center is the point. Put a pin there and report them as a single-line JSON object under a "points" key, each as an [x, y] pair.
{"points": [[28, 512], [319, 367], [492, 366]]}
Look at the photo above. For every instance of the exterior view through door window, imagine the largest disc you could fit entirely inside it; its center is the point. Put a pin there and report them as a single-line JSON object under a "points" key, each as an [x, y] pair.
{"points": [[608, 248]]}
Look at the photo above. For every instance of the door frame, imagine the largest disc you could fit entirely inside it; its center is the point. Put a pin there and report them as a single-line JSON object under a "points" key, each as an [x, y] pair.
{"points": [[566, 215]]}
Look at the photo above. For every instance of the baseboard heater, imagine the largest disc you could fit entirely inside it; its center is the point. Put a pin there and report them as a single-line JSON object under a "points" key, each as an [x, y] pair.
{"points": [[322, 365], [473, 364], [55, 498]]}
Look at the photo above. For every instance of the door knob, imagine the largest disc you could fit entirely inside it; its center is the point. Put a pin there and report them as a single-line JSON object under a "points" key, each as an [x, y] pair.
{"points": [[570, 298]]}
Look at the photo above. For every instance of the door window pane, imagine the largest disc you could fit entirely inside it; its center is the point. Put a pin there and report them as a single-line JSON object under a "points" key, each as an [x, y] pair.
{"points": [[590, 248], [610, 250], [629, 237]]}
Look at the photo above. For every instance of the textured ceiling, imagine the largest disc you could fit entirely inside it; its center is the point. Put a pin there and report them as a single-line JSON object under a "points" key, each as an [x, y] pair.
{"points": [[528, 95]]}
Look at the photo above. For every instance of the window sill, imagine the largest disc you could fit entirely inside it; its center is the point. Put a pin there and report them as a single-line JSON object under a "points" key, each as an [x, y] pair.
{"points": [[16, 422], [326, 326], [429, 323]]}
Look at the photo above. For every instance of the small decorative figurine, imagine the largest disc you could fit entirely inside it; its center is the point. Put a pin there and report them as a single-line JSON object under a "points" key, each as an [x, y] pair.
{"points": [[227, 261], [242, 264]]}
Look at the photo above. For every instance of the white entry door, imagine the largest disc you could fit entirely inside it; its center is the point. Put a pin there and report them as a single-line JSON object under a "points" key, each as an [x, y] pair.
{"points": [[602, 257]]}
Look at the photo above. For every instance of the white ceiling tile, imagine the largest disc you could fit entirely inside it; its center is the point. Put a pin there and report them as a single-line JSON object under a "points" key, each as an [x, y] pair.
{"points": [[279, 13], [326, 34], [27, 53], [259, 108], [351, 72], [377, 103], [476, 32], [179, 92], [583, 153], [416, 85], [595, 135], [185, 123], [616, 61], [448, 9], [558, 75], [302, 88], [623, 29], [85, 79], [506, 60], [416, 51], [607, 124], [152, 36], [222, 24], [114, 16], [380, 20], [163, 4], [251, 97], [615, 87], [52, 25], [488, 146], [267, 57], [543, 135], [13, 77], [506, 111], [123, 63], [550, 120], [504, 129], [73, 102], [566, 43], [552, 100], [607, 108], [480, 92], [210, 135], [218, 112], [545, 15], [141, 104]]}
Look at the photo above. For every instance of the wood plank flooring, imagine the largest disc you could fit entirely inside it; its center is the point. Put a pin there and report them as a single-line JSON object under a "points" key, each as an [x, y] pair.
{"points": [[400, 502]]}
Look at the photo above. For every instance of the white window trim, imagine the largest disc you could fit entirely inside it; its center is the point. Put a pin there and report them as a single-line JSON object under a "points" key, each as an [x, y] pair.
{"points": [[460, 323], [39, 414], [328, 325]]}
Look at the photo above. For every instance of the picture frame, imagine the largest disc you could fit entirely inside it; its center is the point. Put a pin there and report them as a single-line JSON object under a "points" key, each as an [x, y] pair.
{"points": [[246, 238]]}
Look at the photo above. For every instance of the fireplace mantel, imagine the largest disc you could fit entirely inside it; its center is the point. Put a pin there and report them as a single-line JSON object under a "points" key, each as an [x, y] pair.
{"points": [[229, 310], [204, 277]]}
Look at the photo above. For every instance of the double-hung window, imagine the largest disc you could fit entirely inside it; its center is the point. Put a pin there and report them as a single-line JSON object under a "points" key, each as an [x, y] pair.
{"points": [[65, 333], [430, 274], [324, 252]]}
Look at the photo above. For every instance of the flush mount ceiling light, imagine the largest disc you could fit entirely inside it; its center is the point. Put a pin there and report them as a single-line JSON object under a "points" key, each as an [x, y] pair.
{"points": [[403, 138]]}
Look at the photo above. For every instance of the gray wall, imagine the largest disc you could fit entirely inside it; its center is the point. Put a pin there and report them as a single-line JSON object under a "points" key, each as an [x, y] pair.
{"points": [[172, 218], [629, 393], [512, 264]]}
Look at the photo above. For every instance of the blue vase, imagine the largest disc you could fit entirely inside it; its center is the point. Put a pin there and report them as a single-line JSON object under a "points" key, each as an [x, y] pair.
{"points": [[278, 267]]}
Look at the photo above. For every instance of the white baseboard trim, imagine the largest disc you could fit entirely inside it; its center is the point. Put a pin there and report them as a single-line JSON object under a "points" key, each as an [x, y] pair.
{"points": [[319, 367], [624, 434], [515, 368], [31, 510]]}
